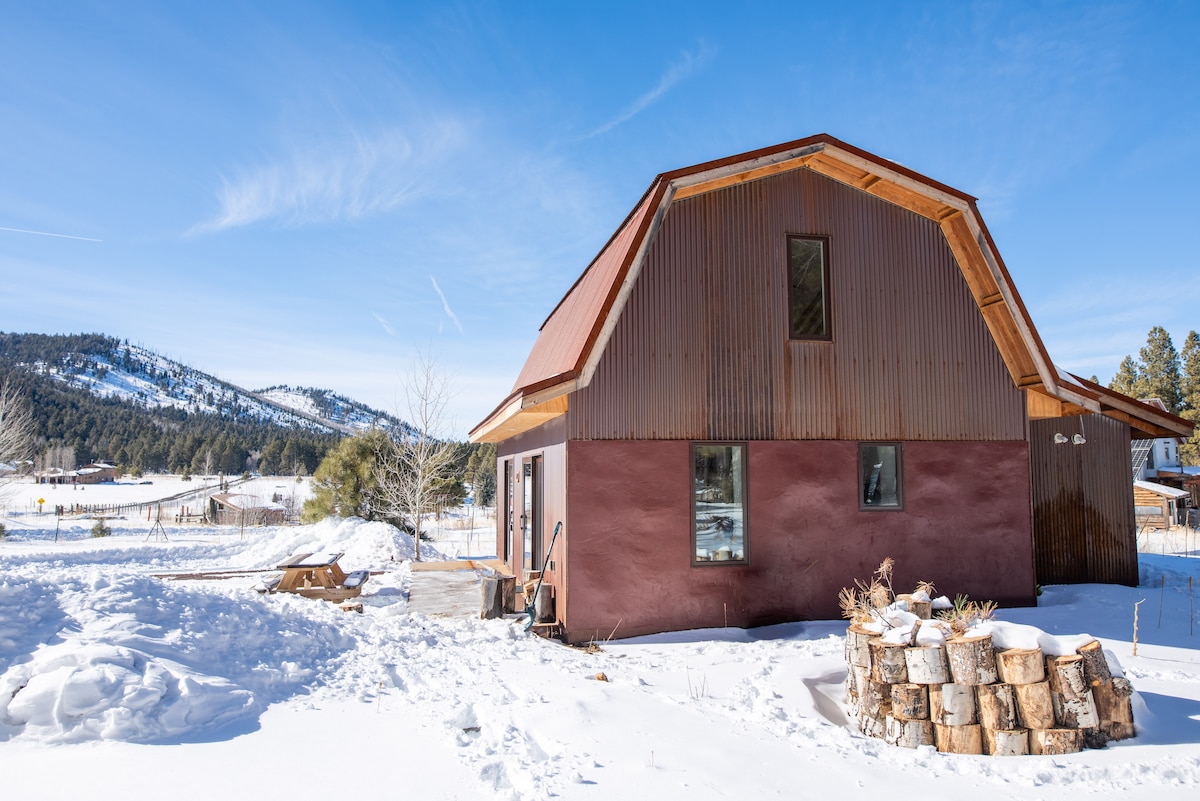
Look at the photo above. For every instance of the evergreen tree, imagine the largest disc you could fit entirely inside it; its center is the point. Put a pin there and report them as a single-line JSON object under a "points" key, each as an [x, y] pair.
{"points": [[1189, 380], [1127, 378], [1160, 369], [481, 473], [1189, 387], [346, 482]]}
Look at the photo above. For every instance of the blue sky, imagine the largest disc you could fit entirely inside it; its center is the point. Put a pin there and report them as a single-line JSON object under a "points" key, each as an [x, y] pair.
{"points": [[311, 193]]}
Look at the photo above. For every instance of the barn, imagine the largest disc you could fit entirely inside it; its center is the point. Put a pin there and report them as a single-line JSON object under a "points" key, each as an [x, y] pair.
{"points": [[781, 368]]}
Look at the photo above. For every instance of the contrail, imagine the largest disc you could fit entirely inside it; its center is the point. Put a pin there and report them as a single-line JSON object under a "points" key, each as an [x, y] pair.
{"points": [[446, 306], [384, 323], [47, 233]]}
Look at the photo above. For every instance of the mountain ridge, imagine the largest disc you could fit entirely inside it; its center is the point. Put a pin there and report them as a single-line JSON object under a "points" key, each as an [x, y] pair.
{"points": [[111, 368]]}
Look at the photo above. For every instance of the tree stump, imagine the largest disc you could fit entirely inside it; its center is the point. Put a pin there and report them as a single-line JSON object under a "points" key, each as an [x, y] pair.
{"points": [[887, 662], [1095, 665], [910, 701], [972, 660], [927, 665], [1114, 707], [1074, 707], [1035, 709], [952, 704], [997, 707], [958, 739], [1012, 742], [1020, 666], [1052, 742], [908, 733]]}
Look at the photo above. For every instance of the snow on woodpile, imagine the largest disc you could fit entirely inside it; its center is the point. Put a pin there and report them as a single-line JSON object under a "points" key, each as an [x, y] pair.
{"points": [[969, 684]]}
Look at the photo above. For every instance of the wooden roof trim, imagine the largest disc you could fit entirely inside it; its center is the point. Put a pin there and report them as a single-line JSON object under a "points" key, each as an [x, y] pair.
{"points": [[1112, 401], [631, 267], [520, 420], [521, 412], [687, 189]]}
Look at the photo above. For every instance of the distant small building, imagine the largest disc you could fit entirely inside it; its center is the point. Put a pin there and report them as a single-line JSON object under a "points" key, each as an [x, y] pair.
{"points": [[55, 475], [95, 473], [1159, 506], [235, 509]]}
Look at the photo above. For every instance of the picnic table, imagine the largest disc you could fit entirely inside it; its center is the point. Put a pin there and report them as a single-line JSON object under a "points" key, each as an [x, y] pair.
{"points": [[318, 575]]}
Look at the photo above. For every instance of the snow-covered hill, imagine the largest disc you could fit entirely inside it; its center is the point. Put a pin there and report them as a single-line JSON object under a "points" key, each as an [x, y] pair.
{"points": [[137, 375], [326, 405]]}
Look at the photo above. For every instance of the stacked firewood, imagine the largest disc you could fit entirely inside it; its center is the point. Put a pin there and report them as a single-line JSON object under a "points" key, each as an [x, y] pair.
{"points": [[966, 697]]}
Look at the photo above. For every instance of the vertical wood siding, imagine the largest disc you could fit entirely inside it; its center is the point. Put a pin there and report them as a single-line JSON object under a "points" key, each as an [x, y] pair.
{"points": [[701, 350], [1083, 518]]}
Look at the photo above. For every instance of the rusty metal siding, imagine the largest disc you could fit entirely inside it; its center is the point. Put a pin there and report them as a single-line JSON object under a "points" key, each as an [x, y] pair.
{"points": [[1083, 517], [701, 350]]}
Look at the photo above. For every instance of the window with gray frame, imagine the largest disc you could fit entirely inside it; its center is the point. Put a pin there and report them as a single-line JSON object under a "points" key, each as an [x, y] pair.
{"points": [[719, 504], [880, 476], [808, 287]]}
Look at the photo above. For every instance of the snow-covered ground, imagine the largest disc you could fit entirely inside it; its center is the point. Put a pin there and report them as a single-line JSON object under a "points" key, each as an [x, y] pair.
{"points": [[120, 683]]}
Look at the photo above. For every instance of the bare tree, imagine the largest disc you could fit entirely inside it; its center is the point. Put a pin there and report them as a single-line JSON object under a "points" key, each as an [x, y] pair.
{"points": [[415, 466], [16, 433]]}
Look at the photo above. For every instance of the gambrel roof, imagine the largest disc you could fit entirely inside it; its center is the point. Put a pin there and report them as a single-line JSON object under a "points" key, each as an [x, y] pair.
{"points": [[574, 336]]}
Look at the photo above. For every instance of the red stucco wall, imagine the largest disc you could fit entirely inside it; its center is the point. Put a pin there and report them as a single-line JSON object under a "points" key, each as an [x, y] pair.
{"points": [[966, 526]]}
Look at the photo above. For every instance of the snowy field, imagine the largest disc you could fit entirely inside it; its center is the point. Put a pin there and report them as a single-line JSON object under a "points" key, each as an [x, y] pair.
{"points": [[116, 682]]}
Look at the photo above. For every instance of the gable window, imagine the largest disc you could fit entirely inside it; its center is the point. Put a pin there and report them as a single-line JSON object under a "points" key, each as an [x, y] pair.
{"points": [[880, 476], [808, 287], [718, 503]]}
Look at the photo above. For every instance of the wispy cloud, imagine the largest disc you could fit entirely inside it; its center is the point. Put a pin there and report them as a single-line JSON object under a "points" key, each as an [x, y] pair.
{"points": [[687, 64], [384, 323], [338, 179], [47, 233], [446, 306]]}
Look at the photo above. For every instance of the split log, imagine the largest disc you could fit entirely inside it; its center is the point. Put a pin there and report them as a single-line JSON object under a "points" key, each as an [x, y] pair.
{"points": [[1095, 664], [872, 727], [887, 662], [952, 704], [857, 649], [958, 739], [1075, 713], [875, 700], [1052, 742], [1020, 666], [997, 707], [1035, 709], [927, 665], [972, 660], [908, 733], [856, 680], [1074, 707], [910, 701], [922, 609], [1011, 742], [1114, 707], [1065, 674]]}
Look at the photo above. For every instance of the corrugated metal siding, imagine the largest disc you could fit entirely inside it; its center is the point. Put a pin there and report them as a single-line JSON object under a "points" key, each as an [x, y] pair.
{"points": [[701, 350], [1083, 518]]}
